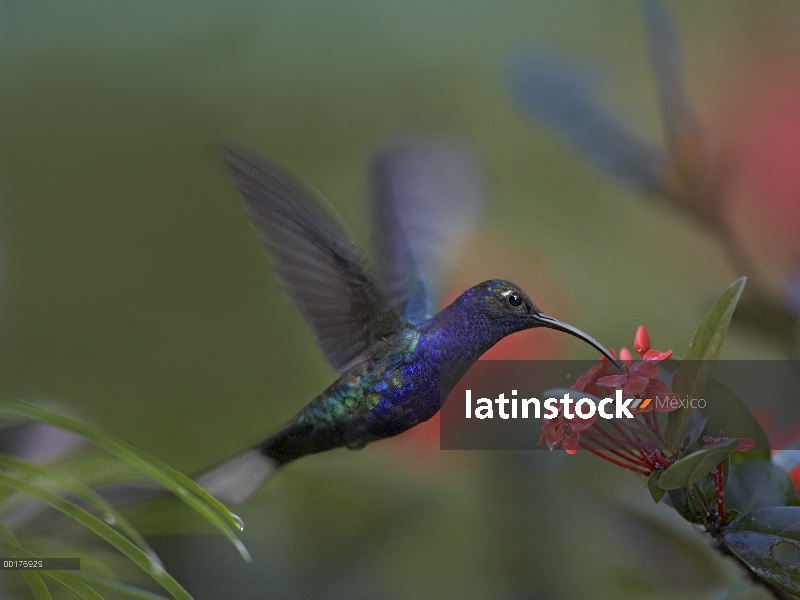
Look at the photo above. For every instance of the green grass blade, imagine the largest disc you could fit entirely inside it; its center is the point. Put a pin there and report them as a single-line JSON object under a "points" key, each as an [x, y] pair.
{"points": [[183, 487], [34, 579], [84, 493], [37, 584], [103, 531], [116, 586], [73, 585]]}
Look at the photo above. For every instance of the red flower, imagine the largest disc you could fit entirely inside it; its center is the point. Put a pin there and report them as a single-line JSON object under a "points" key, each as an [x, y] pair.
{"points": [[660, 396], [588, 381], [634, 380], [565, 432], [620, 443], [638, 375]]}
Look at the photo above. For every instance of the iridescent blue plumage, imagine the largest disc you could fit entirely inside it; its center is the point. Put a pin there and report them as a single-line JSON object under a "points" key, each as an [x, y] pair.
{"points": [[383, 339]]}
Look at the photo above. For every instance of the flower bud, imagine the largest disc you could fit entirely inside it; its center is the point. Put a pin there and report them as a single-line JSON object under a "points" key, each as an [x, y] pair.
{"points": [[641, 343]]}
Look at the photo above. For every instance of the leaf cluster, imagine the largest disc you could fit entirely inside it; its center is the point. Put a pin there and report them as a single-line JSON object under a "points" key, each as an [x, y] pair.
{"points": [[23, 482]]}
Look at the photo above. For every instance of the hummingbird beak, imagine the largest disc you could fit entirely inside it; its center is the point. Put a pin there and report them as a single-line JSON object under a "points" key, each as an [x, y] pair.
{"points": [[543, 320]]}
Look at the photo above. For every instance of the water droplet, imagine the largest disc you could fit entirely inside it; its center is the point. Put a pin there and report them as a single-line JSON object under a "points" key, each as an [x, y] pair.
{"points": [[109, 518], [239, 521]]}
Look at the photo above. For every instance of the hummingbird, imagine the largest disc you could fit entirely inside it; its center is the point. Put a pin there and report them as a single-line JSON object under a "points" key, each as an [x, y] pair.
{"points": [[381, 334]]}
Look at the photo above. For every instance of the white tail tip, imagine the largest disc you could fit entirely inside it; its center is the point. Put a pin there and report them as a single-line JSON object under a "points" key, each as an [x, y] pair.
{"points": [[238, 478]]}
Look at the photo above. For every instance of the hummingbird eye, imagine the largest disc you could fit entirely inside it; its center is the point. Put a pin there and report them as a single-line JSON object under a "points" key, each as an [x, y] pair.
{"points": [[514, 299]]}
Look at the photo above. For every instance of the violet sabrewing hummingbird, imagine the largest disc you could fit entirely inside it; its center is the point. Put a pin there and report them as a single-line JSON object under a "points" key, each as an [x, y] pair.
{"points": [[381, 336]]}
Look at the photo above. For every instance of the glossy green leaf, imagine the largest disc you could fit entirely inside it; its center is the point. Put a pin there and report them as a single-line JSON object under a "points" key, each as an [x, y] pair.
{"points": [[697, 363], [103, 531], [110, 514], [753, 485], [33, 578], [73, 585], [656, 491], [183, 487], [74, 582], [693, 431], [679, 500], [119, 588], [726, 412], [768, 542], [697, 465]]}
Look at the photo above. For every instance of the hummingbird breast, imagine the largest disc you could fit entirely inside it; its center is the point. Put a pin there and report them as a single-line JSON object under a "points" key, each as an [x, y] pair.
{"points": [[395, 389]]}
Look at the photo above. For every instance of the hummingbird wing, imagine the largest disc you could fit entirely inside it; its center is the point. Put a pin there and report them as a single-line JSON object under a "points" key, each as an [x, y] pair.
{"points": [[426, 194], [316, 262]]}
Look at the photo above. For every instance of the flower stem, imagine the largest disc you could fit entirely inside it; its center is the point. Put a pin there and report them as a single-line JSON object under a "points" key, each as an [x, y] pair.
{"points": [[719, 484], [613, 461]]}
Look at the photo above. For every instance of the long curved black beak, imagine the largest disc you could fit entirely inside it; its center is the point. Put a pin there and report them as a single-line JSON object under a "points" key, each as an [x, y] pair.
{"points": [[551, 323]]}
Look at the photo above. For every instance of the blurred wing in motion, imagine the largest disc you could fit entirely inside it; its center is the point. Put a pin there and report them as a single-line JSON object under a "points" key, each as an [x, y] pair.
{"points": [[564, 100], [680, 123], [320, 269], [426, 195]]}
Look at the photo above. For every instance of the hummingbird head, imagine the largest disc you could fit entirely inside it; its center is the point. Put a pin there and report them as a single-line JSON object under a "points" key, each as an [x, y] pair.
{"points": [[509, 310]]}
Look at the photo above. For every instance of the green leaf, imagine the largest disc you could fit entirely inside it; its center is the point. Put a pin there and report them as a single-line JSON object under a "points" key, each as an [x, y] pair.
{"points": [[110, 514], [103, 531], [697, 363], [656, 491], [73, 585], [679, 500], [34, 579], [759, 484], [120, 588], [726, 412], [693, 430], [74, 582], [183, 487], [685, 471], [768, 542]]}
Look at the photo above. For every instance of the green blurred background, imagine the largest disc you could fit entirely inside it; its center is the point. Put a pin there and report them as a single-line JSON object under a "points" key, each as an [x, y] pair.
{"points": [[135, 295]]}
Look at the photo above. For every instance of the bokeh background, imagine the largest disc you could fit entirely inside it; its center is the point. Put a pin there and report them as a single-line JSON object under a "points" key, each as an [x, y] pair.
{"points": [[135, 296]]}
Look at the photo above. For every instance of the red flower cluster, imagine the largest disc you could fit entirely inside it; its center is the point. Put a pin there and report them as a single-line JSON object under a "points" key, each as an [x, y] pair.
{"points": [[637, 444], [629, 446]]}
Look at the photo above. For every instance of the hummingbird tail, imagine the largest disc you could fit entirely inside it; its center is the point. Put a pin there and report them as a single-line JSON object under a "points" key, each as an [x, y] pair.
{"points": [[236, 479]]}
